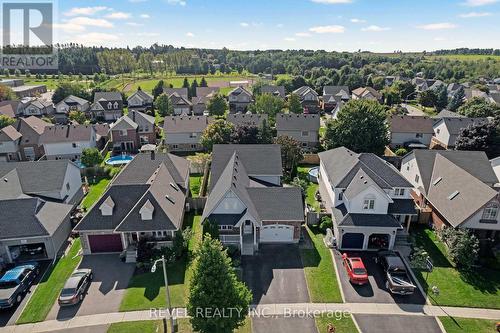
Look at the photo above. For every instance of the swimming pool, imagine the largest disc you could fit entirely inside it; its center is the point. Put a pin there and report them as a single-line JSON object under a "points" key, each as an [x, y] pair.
{"points": [[119, 160], [313, 174]]}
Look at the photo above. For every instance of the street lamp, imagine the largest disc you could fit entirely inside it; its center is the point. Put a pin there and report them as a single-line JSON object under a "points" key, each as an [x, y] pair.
{"points": [[169, 305]]}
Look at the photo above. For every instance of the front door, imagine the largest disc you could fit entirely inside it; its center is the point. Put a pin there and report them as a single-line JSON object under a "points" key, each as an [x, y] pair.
{"points": [[248, 227]]}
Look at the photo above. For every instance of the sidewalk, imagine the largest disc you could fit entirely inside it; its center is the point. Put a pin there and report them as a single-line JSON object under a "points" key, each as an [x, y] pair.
{"points": [[265, 310]]}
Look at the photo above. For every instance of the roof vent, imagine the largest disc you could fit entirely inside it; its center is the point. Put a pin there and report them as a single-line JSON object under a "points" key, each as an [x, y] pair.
{"points": [[170, 199], [437, 181], [5, 180], [174, 186], [453, 195]]}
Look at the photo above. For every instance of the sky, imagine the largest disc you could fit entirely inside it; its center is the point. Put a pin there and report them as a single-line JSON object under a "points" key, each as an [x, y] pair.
{"points": [[332, 25]]}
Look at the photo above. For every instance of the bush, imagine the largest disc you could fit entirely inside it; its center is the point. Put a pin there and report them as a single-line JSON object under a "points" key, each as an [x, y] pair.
{"points": [[325, 223], [401, 152], [463, 246]]}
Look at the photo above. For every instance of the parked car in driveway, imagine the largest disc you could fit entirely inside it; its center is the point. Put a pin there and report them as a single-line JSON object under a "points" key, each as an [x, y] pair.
{"points": [[355, 269], [75, 287], [15, 283], [396, 275]]}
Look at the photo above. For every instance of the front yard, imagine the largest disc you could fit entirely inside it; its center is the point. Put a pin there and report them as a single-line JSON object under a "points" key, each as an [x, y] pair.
{"points": [[147, 290], [158, 326], [462, 325], [342, 325], [48, 289], [320, 273], [479, 288]]}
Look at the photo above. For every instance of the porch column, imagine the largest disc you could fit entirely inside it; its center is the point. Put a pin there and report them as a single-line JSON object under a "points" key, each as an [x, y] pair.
{"points": [[254, 234], [393, 239], [124, 240], [241, 236], [408, 222]]}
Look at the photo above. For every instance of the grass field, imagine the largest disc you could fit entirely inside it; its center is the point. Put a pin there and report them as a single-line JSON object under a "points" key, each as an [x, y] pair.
{"points": [[466, 325], [95, 192], [342, 325], [48, 289], [465, 57], [159, 326]]}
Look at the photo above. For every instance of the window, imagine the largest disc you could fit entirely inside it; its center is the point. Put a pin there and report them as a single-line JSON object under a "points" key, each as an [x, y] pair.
{"points": [[305, 133], [399, 192], [408, 167], [341, 195], [68, 186], [110, 106], [193, 146], [438, 131], [193, 135], [417, 178], [74, 145], [175, 146], [115, 105], [419, 135], [369, 204], [225, 227], [490, 212], [123, 132], [304, 144]]}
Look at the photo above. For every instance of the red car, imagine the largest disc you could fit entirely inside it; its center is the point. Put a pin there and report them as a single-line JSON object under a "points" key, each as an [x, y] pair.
{"points": [[355, 269]]}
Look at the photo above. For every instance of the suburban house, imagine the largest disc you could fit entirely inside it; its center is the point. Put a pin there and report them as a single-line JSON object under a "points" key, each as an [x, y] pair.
{"points": [[447, 130], [368, 198], [107, 106], [309, 99], [411, 131], [422, 84], [277, 91], [456, 189], [239, 100], [36, 199], [302, 127], [11, 108], [453, 88], [132, 131], [67, 141], [205, 91], [180, 91], [367, 93], [495, 164], [140, 101], [10, 139], [247, 119], [180, 104], [38, 107], [103, 134], [31, 129], [246, 199], [69, 104], [183, 133], [333, 98], [145, 201], [200, 101]]}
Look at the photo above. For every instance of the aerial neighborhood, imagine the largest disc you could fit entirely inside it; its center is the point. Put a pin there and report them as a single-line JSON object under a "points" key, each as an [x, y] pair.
{"points": [[318, 185]]}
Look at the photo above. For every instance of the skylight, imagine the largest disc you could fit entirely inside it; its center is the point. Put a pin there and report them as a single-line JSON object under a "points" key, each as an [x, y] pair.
{"points": [[170, 199], [453, 195], [174, 186], [437, 181]]}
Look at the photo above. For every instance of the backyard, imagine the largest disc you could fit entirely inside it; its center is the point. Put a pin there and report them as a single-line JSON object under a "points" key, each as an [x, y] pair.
{"points": [[96, 189], [47, 291], [302, 172], [479, 288], [462, 325], [195, 184]]}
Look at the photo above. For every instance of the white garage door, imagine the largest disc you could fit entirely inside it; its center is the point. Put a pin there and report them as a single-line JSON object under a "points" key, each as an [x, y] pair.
{"points": [[276, 234]]}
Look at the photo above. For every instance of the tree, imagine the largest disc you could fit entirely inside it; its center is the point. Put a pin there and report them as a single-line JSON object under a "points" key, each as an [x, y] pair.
{"points": [[265, 133], [6, 121], [483, 137], [203, 82], [77, 116], [91, 157], [215, 287], [163, 105], [257, 87], [294, 105], [427, 98], [244, 134], [478, 107], [217, 132], [6, 94], [457, 100], [185, 84], [291, 154], [64, 89], [267, 104], [217, 105], [360, 126], [463, 246], [441, 97], [211, 229], [193, 87], [404, 89], [158, 89]]}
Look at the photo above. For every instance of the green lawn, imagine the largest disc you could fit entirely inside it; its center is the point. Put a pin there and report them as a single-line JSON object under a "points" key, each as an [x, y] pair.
{"points": [[312, 187], [480, 288], [158, 326], [48, 289], [467, 325], [320, 273], [195, 184], [95, 192], [147, 290], [342, 325]]}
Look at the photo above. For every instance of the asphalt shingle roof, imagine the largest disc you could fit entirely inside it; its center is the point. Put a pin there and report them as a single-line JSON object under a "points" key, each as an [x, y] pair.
{"points": [[411, 124], [186, 124], [297, 122], [342, 218]]}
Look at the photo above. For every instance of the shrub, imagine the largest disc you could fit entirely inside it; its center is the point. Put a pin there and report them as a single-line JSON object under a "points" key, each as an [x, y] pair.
{"points": [[401, 151], [463, 246], [325, 223]]}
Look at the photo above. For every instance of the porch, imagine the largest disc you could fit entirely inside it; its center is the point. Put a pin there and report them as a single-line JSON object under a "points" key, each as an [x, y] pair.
{"points": [[130, 241], [243, 235]]}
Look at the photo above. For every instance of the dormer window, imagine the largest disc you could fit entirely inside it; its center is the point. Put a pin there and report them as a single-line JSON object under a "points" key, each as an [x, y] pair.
{"points": [[110, 106], [147, 211], [115, 105], [369, 203], [107, 207]]}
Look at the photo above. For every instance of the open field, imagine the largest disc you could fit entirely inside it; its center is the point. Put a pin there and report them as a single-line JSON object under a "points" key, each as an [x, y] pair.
{"points": [[465, 57]]}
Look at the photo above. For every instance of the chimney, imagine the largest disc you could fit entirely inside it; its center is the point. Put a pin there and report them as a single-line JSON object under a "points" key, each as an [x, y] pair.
{"points": [[152, 155]]}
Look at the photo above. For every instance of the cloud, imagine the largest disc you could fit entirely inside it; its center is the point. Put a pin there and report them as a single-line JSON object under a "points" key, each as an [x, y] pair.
{"points": [[438, 26], [356, 20], [332, 2], [118, 16], [145, 16], [474, 14], [69, 27], [147, 34], [85, 10], [177, 2], [303, 34], [244, 24], [328, 29], [87, 21], [290, 39], [478, 3], [375, 28], [439, 39], [96, 38], [134, 24], [189, 34]]}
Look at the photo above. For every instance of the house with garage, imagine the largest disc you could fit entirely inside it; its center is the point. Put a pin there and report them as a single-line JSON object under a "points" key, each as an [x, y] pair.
{"points": [[333, 98], [309, 99], [302, 127], [183, 133], [456, 189], [70, 104], [411, 131], [180, 104], [246, 199], [67, 141], [38, 107], [11, 109], [367, 93], [107, 106], [31, 129], [140, 101], [247, 119], [10, 139], [239, 99], [145, 201], [447, 130], [132, 131], [368, 198]]}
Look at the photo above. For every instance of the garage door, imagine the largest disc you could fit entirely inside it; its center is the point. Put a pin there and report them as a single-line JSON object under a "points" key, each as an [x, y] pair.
{"points": [[276, 234], [105, 243], [352, 241]]}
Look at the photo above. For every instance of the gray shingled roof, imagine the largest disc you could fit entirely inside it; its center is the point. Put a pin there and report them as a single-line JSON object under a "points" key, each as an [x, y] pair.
{"points": [[448, 114], [455, 125], [67, 133], [107, 96], [411, 124], [297, 122], [273, 90], [342, 218], [342, 91], [402, 206], [9, 133], [180, 91], [246, 119], [186, 124]]}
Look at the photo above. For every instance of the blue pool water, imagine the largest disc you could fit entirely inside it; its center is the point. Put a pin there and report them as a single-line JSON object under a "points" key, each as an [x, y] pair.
{"points": [[313, 174], [119, 160]]}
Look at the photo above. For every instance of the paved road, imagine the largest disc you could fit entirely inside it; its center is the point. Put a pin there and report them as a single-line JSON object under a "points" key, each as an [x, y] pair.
{"points": [[276, 275], [397, 323], [375, 291], [111, 277], [282, 324]]}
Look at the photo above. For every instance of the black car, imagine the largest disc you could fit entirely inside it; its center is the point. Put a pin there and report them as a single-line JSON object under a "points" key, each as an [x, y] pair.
{"points": [[397, 278], [15, 283], [75, 288]]}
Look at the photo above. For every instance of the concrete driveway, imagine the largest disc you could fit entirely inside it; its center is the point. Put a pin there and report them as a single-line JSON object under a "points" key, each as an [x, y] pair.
{"points": [[111, 278], [281, 324], [276, 275], [375, 291], [397, 323]]}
